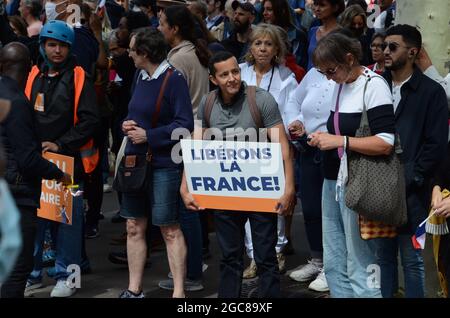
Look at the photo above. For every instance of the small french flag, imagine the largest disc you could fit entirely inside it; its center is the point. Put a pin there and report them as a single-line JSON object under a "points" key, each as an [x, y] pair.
{"points": [[418, 239]]}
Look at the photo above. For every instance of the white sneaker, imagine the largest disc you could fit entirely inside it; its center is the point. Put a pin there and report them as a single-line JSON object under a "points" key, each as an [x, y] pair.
{"points": [[62, 289], [307, 272], [320, 283]]}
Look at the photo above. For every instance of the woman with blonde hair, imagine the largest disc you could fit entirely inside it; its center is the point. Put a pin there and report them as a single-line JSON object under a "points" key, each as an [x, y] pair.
{"points": [[264, 68]]}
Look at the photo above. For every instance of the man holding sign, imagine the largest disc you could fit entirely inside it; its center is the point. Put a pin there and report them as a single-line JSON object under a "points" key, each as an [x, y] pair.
{"points": [[233, 111], [65, 106]]}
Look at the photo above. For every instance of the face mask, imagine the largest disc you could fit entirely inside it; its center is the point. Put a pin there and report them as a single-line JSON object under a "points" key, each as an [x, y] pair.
{"points": [[50, 10], [358, 32]]}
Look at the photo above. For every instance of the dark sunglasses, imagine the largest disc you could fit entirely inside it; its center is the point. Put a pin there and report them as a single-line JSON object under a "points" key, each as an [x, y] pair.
{"points": [[329, 71], [392, 46]]}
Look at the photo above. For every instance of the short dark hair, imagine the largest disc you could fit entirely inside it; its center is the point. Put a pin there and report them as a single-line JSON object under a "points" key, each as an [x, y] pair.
{"points": [[151, 42], [136, 20], [218, 57], [378, 35], [410, 34], [339, 3]]}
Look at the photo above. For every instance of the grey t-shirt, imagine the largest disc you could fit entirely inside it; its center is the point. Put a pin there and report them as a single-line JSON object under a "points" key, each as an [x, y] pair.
{"points": [[235, 119]]}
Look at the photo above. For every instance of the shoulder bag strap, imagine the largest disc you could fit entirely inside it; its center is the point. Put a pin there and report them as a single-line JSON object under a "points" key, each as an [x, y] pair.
{"points": [[158, 107], [337, 131]]}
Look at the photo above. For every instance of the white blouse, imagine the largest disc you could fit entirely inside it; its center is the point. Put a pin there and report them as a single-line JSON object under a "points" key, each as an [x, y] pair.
{"points": [[280, 83], [311, 101]]}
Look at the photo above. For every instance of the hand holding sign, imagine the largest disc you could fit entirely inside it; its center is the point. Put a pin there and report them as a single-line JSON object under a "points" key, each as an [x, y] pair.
{"points": [[66, 179], [49, 146], [285, 204], [187, 197]]}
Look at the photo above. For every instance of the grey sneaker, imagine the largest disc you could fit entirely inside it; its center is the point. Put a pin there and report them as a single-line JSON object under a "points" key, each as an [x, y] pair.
{"points": [[189, 285], [128, 294], [62, 289]]}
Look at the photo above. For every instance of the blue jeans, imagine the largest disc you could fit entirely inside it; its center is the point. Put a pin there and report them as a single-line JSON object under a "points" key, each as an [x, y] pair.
{"points": [[347, 257], [69, 243], [412, 262]]}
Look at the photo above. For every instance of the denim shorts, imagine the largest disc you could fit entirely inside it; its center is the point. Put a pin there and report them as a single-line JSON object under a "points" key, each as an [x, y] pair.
{"points": [[161, 201]]}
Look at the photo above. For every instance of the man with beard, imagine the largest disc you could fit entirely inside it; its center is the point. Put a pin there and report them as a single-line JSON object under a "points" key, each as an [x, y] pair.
{"points": [[421, 114], [238, 42]]}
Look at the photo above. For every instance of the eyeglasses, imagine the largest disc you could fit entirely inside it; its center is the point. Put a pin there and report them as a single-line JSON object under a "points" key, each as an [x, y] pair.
{"points": [[131, 50], [392, 46], [328, 72]]}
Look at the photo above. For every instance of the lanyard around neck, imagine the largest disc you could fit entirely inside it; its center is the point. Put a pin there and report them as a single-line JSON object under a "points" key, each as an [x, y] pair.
{"points": [[271, 77]]}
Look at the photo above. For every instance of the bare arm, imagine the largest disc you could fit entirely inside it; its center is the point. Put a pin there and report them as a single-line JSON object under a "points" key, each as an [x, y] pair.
{"points": [[371, 146], [187, 197], [285, 203]]}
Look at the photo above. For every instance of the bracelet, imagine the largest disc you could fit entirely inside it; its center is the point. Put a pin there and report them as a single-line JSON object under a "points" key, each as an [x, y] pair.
{"points": [[347, 143]]}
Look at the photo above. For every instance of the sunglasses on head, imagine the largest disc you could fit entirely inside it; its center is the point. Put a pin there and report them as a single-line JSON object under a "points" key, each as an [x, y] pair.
{"points": [[328, 72], [392, 46]]}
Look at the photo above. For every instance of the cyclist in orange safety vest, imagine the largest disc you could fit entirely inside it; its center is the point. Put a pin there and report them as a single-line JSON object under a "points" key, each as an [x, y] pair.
{"points": [[65, 107]]}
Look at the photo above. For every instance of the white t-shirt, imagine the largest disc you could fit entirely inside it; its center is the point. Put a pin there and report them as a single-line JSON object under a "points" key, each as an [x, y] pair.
{"points": [[350, 102], [397, 93]]}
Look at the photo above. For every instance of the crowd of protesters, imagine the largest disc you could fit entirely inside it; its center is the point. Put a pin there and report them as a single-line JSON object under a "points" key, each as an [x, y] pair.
{"points": [[82, 75]]}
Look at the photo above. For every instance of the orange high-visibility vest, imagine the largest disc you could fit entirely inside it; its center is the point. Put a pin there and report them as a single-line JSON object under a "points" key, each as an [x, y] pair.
{"points": [[89, 153]]}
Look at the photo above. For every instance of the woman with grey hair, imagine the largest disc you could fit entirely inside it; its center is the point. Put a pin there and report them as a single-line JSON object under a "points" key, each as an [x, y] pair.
{"points": [[264, 69], [346, 255]]}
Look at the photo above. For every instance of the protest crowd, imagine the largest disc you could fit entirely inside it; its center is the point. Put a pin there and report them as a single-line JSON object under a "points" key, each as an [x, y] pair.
{"points": [[346, 105]]}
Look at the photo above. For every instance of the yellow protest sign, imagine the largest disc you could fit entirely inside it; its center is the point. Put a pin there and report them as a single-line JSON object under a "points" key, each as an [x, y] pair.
{"points": [[56, 202]]}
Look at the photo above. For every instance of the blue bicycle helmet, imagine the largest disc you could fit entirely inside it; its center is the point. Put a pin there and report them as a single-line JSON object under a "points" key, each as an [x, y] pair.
{"points": [[58, 30]]}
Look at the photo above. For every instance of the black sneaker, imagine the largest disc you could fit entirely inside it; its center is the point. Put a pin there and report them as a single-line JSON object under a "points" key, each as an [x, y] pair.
{"points": [[92, 232], [130, 294]]}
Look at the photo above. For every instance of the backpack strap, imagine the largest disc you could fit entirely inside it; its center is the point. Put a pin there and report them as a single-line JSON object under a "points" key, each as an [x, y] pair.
{"points": [[256, 114], [209, 104]]}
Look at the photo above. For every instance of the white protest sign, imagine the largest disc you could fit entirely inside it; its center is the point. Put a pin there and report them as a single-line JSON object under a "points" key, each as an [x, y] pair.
{"points": [[229, 175]]}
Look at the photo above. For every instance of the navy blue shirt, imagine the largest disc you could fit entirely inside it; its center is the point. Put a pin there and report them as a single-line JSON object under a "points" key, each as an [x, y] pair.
{"points": [[176, 112]]}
